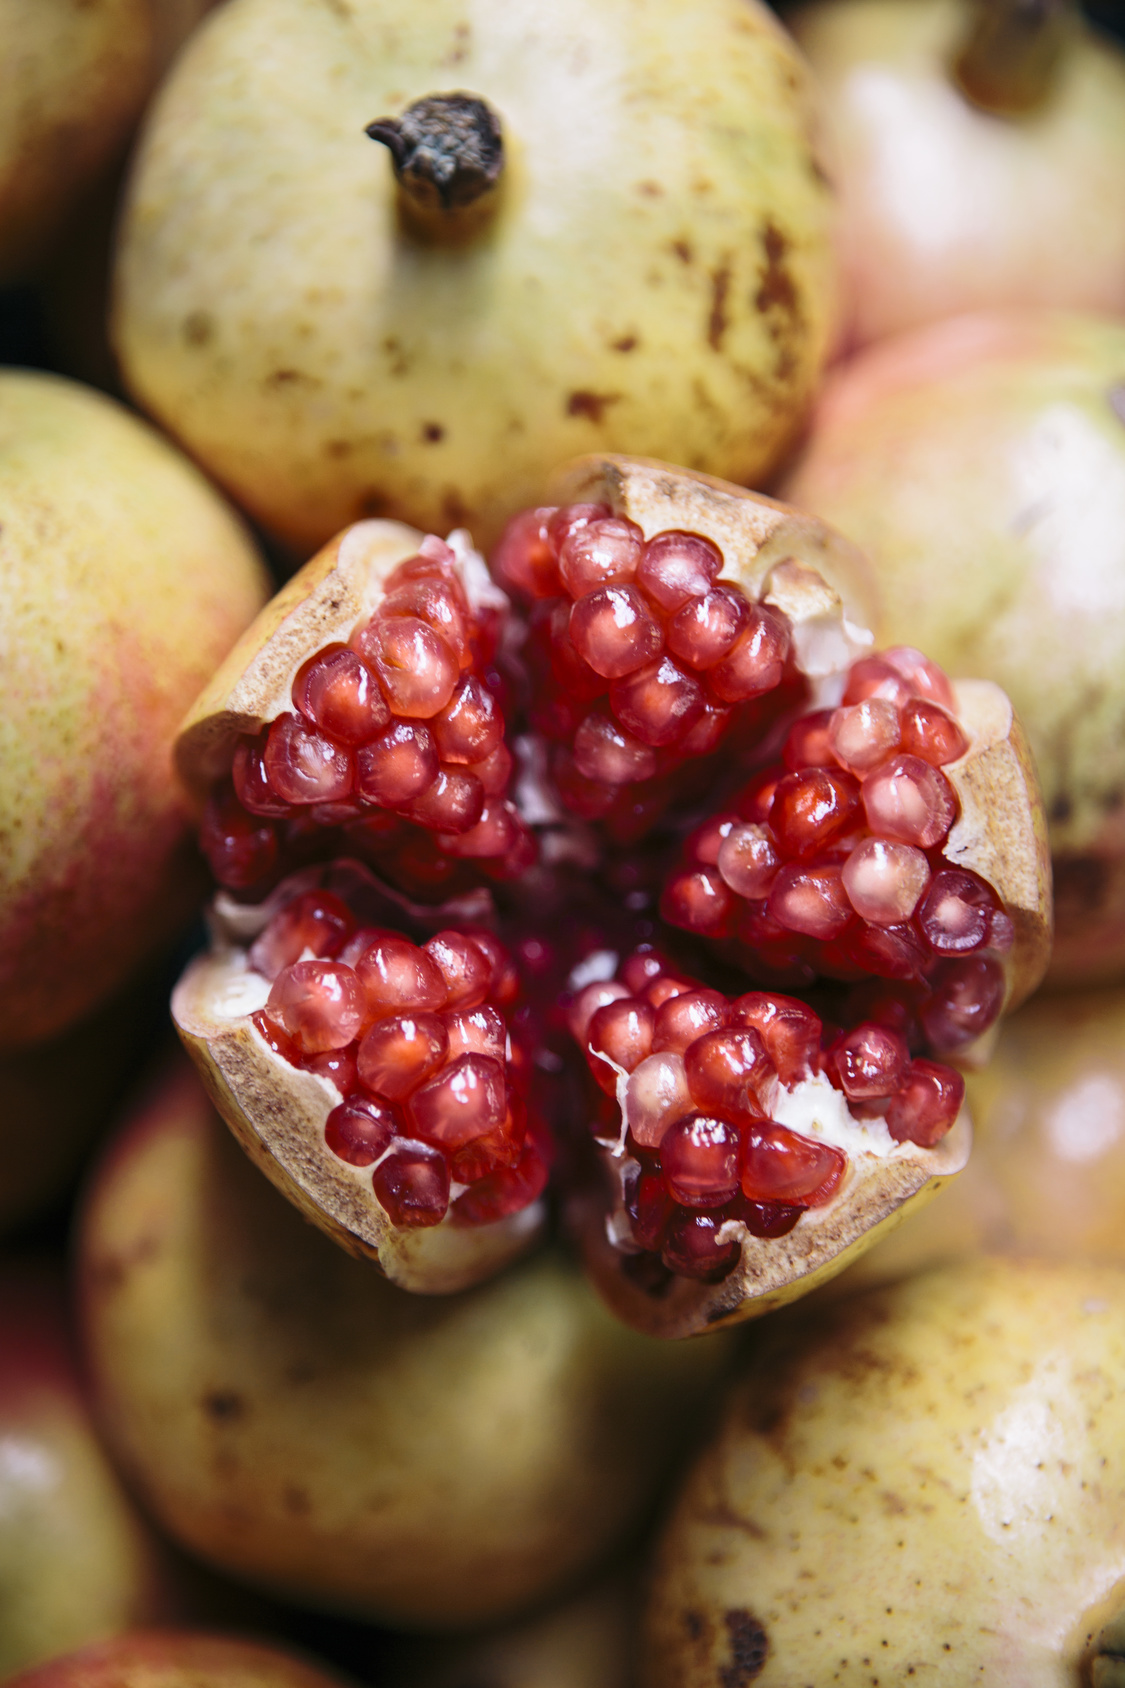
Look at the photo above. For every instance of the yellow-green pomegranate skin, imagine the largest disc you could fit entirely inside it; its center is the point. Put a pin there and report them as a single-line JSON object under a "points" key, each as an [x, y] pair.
{"points": [[980, 463], [294, 1419], [924, 1483], [125, 580], [657, 276]]}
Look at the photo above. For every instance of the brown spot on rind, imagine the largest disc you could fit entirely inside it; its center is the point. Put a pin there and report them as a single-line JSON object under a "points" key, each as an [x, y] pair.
{"points": [[197, 328], [627, 343], [717, 321], [683, 251], [225, 1406], [590, 405], [776, 290], [432, 432], [749, 1649]]}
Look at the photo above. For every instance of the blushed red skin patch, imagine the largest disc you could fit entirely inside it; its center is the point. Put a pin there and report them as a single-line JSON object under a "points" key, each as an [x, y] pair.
{"points": [[169, 1658]]}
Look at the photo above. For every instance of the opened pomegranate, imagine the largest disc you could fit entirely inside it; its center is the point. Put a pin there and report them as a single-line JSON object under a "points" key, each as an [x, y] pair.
{"points": [[886, 855]]}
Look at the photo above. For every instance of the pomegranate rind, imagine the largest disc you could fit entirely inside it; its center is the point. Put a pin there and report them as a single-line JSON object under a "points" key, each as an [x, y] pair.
{"points": [[775, 554], [875, 1196], [277, 1113], [322, 604]]}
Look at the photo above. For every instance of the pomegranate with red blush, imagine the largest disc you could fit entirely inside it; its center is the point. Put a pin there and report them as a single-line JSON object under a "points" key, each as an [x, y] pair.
{"points": [[981, 465], [977, 148], [179, 1658]]}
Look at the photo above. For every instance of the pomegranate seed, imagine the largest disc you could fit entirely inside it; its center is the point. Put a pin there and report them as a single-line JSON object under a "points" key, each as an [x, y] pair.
{"points": [[605, 552], [656, 1095], [700, 902], [870, 1061], [399, 766], [923, 676], [704, 845], [503, 981], [807, 743], [316, 921], [956, 916], [416, 667], [475, 1031], [496, 833], [755, 662], [765, 1219], [359, 1130], [412, 1185], [811, 808], [433, 596], [705, 732], [874, 676], [927, 1104], [398, 1053], [662, 990], [251, 782], [748, 860], [908, 800], [693, 1250], [780, 1165], [683, 1018], [603, 751], [240, 850], [699, 1159], [336, 1065], [885, 880], [453, 803], [864, 734], [756, 799], [319, 1003], [650, 1208], [641, 968], [494, 772], [524, 559], [968, 994], [506, 1190], [570, 518], [677, 566], [471, 726], [303, 766], [613, 630], [463, 966], [703, 631], [586, 1004], [788, 1028], [811, 900], [622, 1031], [892, 952], [723, 1069], [399, 978], [576, 678], [928, 732], [659, 704], [467, 1099], [338, 694]]}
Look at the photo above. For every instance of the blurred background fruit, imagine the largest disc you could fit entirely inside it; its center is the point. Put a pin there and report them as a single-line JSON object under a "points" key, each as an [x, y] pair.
{"points": [[169, 1658]]}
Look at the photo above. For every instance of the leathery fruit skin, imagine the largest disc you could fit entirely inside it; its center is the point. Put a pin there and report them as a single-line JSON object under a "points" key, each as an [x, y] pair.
{"points": [[171, 1658], [929, 1483], [77, 1562], [980, 463], [1047, 1172], [655, 276], [125, 581], [294, 1421]]}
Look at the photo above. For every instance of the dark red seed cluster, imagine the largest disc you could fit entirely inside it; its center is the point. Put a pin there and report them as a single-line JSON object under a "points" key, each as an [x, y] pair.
{"points": [[393, 737], [830, 863], [642, 654], [695, 1074], [415, 1039]]}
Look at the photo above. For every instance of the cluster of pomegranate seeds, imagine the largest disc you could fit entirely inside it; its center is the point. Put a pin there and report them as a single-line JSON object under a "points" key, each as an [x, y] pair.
{"points": [[695, 1075], [415, 1039], [830, 863], [643, 655], [394, 734]]}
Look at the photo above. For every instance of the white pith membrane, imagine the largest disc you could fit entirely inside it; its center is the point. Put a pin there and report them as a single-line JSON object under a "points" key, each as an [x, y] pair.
{"points": [[278, 1111]]}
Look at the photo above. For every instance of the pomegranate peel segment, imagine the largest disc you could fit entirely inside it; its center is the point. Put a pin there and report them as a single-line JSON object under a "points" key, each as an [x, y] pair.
{"points": [[278, 1113]]}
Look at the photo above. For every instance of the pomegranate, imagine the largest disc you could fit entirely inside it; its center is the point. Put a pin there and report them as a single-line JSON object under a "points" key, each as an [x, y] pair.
{"points": [[927, 1483], [977, 147], [126, 580], [76, 1560], [301, 1423], [597, 227], [981, 463], [179, 1658]]}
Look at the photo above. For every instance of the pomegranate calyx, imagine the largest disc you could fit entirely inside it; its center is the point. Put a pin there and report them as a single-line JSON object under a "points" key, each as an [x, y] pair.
{"points": [[447, 153], [1009, 61]]}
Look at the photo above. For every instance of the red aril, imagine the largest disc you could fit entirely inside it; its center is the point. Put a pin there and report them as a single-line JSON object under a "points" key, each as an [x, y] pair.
{"points": [[778, 1165]]}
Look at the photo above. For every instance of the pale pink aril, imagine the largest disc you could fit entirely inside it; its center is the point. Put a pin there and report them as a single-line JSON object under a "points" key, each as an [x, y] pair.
{"points": [[923, 676], [659, 703], [466, 1100], [604, 751], [606, 552], [957, 914], [884, 880], [398, 977], [811, 900], [320, 1004], [463, 965], [614, 631], [475, 1031], [747, 859], [677, 566], [862, 735], [656, 1094], [686, 1016], [756, 660], [398, 1053], [471, 726], [453, 802], [417, 670], [399, 766], [928, 732], [704, 630], [303, 766], [316, 920], [908, 800], [622, 1032], [339, 695]]}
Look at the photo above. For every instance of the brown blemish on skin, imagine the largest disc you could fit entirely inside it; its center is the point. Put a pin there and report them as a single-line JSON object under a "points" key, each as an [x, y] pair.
{"points": [[295, 1500], [724, 1517], [373, 501], [776, 290], [460, 48], [337, 449], [398, 362], [291, 378], [749, 1649], [197, 328], [683, 251], [590, 405], [112, 1272], [225, 1406], [651, 190], [693, 1623], [627, 343], [432, 432], [453, 507], [717, 322]]}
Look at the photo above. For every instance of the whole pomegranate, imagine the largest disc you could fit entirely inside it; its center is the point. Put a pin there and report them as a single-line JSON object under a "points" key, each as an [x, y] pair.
{"points": [[175, 1658], [977, 148], [926, 1483], [301, 1423], [397, 988], [981, 465], [125, 581], [77, 1562], [591, 226]]}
